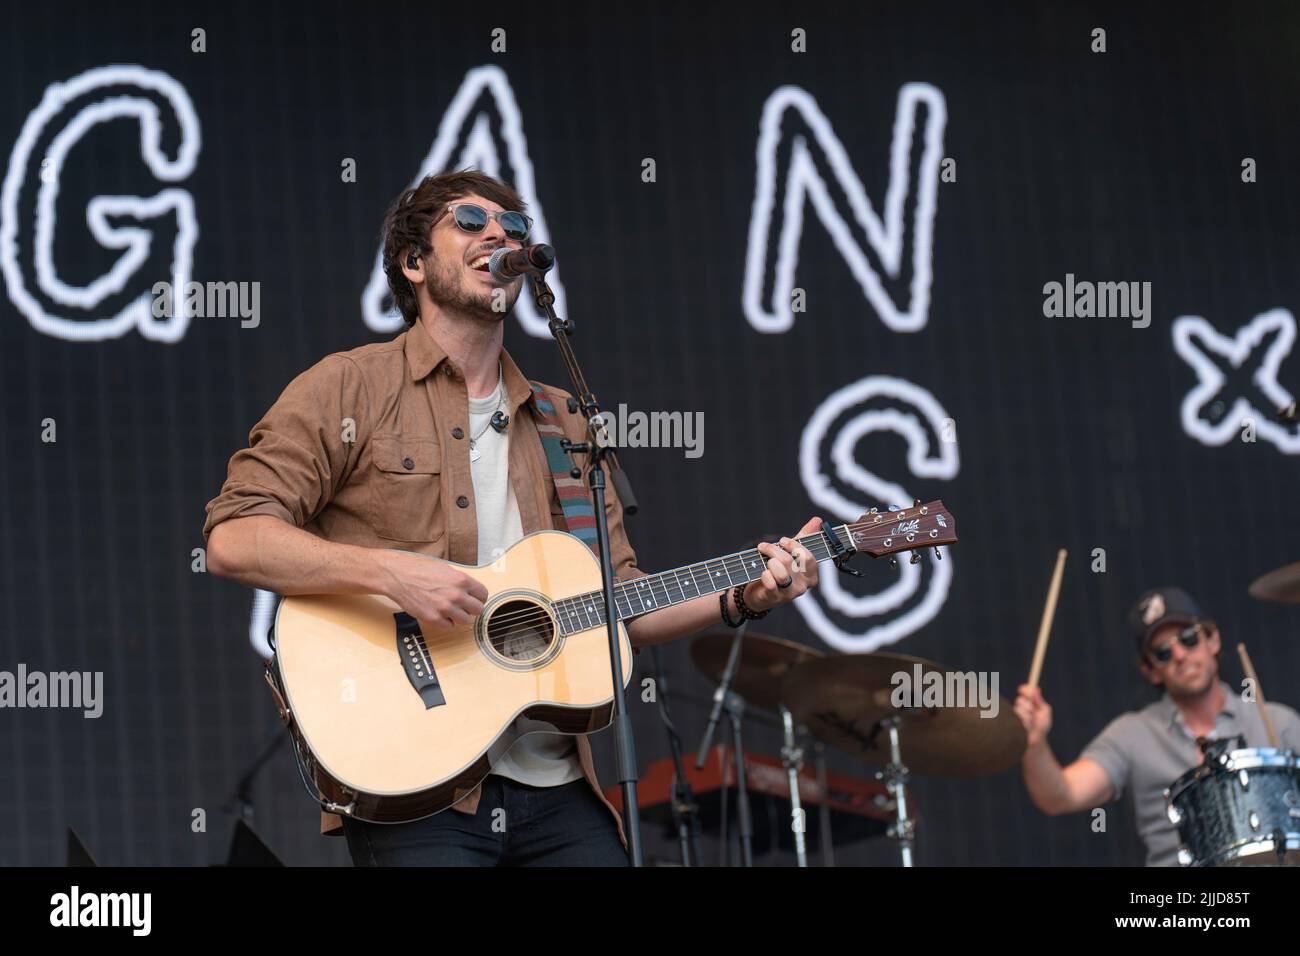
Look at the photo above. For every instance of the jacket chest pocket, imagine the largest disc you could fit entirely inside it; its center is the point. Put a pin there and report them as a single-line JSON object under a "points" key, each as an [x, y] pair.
{"points": [[407, 482]]}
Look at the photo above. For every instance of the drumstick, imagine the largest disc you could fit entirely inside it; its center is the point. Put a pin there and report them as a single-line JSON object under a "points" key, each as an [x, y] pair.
{"points": [[1045, 628], [1259, 695]]}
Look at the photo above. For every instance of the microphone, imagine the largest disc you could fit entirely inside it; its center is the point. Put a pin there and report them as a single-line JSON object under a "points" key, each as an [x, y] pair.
{"points": [[509, 264]]}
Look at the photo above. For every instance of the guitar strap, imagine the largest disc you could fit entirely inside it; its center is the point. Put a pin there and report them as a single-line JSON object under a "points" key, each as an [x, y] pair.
{"points": [[579, 515]]}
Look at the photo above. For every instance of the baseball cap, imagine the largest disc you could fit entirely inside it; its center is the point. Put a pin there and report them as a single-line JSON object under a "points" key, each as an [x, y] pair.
{"points": [[1160, 606]]}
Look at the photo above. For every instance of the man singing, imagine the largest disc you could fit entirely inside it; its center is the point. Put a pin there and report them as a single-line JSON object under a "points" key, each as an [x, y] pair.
{"points": [[1147, 750], [428, 443]]}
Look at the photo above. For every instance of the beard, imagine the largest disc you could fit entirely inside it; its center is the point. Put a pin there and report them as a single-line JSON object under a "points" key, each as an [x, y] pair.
{"points": [[1189, 687], [446, 286]]}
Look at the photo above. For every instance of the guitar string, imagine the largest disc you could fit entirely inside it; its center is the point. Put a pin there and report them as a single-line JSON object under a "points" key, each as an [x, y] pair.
{"points": [[663, 585], [534, 618], [568, 614], [539, 617]]}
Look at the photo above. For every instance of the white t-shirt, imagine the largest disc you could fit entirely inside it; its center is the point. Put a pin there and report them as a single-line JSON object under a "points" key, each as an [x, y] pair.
{"points": [[538, 759]]}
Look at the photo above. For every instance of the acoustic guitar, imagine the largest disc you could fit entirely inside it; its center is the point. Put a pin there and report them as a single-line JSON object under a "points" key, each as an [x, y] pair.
{"points": [[394, 721]]}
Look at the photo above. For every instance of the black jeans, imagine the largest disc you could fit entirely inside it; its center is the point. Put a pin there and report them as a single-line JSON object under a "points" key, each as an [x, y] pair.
{"points": [[516, 825]]}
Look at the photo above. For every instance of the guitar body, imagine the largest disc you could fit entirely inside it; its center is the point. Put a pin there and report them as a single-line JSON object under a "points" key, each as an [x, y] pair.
{"points": [[394, 720]]}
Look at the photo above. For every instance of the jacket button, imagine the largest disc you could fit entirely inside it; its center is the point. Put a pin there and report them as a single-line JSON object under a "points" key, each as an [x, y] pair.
{"points": [[462, 502], [408, 464], [457, 433]]}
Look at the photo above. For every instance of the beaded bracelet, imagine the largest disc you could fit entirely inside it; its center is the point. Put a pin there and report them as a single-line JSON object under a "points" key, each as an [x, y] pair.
{"points": [[745, 613], [726, 614]]}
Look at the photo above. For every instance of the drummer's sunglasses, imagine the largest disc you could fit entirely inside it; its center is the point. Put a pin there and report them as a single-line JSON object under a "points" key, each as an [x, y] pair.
{"points": [[1189, 638], [474, 219]]}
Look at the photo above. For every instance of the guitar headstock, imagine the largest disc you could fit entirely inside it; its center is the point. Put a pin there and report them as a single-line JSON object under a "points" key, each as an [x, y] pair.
{"points": [[878, 533]]}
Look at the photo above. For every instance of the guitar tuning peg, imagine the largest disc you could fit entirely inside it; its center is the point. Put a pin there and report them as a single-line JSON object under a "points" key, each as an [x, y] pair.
{"points": [[915, 558], [916, 502], [893, 563], [938, 555]]}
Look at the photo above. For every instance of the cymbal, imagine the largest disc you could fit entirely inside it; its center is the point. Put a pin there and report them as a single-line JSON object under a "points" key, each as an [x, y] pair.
{"points": [[843, 699], [764, 661], [1281, 584]]}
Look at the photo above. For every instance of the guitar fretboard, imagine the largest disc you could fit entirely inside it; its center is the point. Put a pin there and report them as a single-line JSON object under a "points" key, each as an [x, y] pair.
{"points": [[667, 588]]}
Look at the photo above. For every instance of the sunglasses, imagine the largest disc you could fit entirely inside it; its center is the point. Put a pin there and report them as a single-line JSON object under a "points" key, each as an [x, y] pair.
{"points": [[474, 219], [1189, 638]]}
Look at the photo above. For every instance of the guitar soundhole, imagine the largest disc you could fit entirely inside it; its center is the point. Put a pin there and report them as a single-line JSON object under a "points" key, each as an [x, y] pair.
{"points": [[520, 631]]}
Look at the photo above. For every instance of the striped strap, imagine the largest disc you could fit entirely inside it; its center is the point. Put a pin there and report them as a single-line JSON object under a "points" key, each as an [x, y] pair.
{"points": [[579, 515]]}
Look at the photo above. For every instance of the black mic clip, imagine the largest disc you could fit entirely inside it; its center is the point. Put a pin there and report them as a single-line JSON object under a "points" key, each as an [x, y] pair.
{"points": [[500, 420]]}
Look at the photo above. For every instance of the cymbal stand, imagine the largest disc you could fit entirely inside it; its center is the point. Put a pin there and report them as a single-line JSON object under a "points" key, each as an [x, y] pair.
{"points": [[903, 830], [792, 758]]}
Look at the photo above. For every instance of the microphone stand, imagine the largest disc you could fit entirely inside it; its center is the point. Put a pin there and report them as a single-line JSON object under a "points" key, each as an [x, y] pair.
{"points": [[597, 449], [685, 810], [725, 698], [744, 818]]}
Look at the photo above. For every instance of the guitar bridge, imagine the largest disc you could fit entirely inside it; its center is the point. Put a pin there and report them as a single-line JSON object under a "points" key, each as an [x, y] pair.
{"points": [[416, 661]]}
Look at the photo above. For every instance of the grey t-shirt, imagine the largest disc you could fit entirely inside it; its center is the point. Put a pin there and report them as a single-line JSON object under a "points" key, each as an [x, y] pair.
{"points": [[539, 759], [1145, 751]]}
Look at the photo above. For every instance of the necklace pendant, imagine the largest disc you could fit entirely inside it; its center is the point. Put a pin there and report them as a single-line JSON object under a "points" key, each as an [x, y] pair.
{"points": [[474, 454]]}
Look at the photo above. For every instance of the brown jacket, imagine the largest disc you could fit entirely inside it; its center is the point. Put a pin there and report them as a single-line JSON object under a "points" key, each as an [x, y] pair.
{"points": [[370, 447]]}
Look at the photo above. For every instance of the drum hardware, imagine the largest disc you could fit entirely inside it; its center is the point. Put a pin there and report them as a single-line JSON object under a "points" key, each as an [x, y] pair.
{"points": [[754, 680], [734, 705], [886, 803], [903, 831], [683, 807], [792, 760], [725, 697], [1216, 749], [857, 805], [846, 701]]}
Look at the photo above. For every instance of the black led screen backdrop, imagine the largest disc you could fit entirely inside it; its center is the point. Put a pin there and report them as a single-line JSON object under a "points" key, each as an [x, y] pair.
{"points": [[839, 257]]}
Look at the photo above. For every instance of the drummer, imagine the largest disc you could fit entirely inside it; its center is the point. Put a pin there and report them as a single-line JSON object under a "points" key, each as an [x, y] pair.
{"points": [[1145, 751]]}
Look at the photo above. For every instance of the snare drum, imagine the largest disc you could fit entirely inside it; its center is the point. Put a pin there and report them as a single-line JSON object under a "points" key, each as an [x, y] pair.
{"points": [[1239, 809]]}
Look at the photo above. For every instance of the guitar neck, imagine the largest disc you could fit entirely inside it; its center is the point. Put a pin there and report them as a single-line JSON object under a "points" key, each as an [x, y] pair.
{"points": [[668, 588]]}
